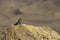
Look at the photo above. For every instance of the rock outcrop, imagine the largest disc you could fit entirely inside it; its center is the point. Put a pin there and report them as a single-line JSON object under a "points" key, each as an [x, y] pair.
{"points": [[28, 32]]}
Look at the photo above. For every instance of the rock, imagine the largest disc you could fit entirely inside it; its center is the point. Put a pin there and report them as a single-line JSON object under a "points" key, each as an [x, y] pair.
{"points": [[28, 32]]}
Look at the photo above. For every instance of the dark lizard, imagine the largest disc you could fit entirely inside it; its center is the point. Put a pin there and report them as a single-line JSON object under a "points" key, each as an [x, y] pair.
{"points": [[18, 22]]}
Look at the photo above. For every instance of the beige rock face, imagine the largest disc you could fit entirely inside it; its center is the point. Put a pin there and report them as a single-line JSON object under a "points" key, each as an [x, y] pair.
{"points": [[28, 32]]}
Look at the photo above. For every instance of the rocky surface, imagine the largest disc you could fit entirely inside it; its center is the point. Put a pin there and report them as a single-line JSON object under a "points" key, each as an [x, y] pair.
{"points": [[28, 32]]}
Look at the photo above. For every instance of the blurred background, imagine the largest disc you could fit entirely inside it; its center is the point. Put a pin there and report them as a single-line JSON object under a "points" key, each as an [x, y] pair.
{"points": [[36, 12]]}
